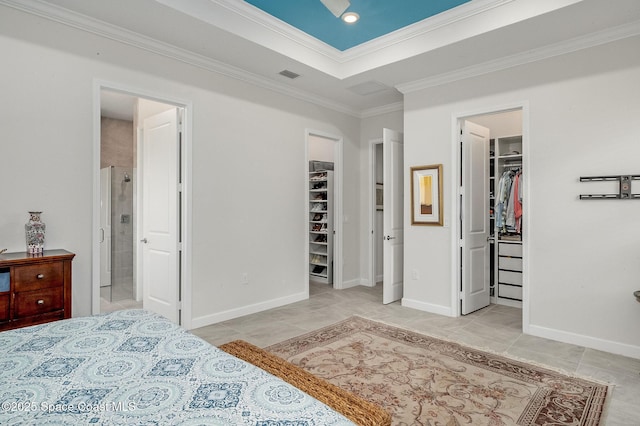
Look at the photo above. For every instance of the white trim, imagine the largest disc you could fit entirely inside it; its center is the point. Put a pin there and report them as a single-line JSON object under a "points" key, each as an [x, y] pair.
{"points": [[568, 46], [372, 278], [385, 109], [586, 341], [131, 38], [338, 179], [247, 310], [428, 307], [113, 32], [187, 128], [456, 121], [351, 283]]}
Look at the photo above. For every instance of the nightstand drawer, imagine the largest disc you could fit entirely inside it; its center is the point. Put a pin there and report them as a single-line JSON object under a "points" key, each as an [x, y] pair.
{"points": [[4, 306], [38, 302], [36, 277]]}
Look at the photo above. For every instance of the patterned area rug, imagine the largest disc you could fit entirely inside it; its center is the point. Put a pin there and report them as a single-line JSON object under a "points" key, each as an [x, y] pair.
{"points": [[422, 380]]}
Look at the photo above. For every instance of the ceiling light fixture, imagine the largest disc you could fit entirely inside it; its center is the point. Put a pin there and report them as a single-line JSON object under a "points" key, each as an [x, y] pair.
{"points": [[350, 17]]}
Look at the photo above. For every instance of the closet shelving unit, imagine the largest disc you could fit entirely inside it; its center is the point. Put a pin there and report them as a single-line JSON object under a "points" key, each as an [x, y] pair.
{"points": [[321, 226], [506, 258]]}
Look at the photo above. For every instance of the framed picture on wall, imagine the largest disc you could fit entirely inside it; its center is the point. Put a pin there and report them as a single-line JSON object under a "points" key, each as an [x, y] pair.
{"points": [[379, 196], [426, 195]]}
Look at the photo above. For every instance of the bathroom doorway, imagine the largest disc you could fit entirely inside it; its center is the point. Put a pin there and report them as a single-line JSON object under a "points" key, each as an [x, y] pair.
{"points": [[117, 202]]}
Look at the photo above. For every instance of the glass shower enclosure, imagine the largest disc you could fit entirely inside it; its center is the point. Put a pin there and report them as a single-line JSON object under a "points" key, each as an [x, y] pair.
{"points": [[116, 233]]}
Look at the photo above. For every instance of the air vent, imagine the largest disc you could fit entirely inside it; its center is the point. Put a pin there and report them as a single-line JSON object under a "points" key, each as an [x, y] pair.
{"points": [[289, 74]]}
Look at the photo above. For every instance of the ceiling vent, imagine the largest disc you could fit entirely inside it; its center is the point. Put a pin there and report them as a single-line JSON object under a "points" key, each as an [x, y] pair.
{"points": [[369, 88], [289, 74]]}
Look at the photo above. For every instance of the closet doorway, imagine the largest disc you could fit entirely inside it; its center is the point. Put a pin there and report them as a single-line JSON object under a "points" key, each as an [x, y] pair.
{"points": [[323, 152], [491, 210], [141, 242], [386, 218]]}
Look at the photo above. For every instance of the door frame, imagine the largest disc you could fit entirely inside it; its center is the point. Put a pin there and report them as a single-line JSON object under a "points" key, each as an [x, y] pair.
{"points": [[454, 177], [338, 282], [373, 143], [186, 198]]}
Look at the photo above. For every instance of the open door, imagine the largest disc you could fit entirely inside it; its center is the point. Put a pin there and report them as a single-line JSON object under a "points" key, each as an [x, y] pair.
{"points": [[475, 218], [160, 214], [393, 198]]}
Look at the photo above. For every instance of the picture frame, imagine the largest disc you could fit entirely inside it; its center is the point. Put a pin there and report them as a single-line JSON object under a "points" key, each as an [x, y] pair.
{"points": [[379, 197], [426, 195]]}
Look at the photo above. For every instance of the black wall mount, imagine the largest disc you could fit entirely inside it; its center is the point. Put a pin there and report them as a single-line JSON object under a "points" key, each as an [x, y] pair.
{"points": [[624, 188]]}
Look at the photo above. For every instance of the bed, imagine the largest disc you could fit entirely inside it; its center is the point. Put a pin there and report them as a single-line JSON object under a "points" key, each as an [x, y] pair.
{"points": [[136, 367]]}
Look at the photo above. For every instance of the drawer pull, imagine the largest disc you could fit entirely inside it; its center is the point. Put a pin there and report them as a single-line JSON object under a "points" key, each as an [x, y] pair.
{"points": [[40, 276], [40, 302]]}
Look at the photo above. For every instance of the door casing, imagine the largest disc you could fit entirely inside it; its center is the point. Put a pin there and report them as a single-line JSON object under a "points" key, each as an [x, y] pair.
{"points": [[338, 279], [454, 177], [186, 197]]}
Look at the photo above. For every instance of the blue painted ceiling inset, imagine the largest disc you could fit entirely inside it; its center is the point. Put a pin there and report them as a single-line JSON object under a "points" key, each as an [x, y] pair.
{"points": [[377, 17]]}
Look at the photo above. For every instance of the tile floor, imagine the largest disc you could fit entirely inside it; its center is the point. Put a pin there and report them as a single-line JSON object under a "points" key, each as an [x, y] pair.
{"points": [[497, 328], [106, 306]]}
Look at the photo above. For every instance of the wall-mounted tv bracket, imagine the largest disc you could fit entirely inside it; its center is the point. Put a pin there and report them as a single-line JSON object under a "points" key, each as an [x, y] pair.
{"points": [[624, 190]]}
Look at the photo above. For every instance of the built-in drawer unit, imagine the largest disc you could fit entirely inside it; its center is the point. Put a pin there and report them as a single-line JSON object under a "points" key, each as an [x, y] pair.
{"points": [[510, 249], [510, 291], [510, 270], [510, 263], [39, 288]]}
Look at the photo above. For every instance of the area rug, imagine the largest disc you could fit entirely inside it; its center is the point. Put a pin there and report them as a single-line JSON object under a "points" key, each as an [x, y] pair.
{"points": [[422, 380], [356, 409]]}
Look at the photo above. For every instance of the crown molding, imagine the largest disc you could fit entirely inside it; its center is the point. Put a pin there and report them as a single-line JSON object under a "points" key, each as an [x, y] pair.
{"points": [[122, 35], [428, 25], [573, 45], [385, 109]]}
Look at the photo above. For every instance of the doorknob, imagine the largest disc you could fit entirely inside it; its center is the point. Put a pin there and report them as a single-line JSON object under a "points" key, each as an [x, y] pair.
{"points": [[388, 237], [144, 241]]}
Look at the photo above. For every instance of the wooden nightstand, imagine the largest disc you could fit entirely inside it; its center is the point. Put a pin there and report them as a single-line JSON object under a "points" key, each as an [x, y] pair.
{"points": [[39, 288]]}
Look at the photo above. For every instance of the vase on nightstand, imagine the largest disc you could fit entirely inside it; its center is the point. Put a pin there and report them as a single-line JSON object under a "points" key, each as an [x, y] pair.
{"points": [[34, 230]]}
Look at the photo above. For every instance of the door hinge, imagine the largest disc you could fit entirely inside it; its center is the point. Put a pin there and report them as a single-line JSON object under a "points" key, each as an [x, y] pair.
{"points": [[179, 246], [179, 187]]}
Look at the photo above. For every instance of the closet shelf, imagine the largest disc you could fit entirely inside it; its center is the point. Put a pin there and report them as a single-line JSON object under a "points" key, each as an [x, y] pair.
{"points": [[320, 187]]}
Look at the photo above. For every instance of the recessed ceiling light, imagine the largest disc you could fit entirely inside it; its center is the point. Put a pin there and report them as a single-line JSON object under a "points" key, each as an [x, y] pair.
{"points": [[350, 17]]}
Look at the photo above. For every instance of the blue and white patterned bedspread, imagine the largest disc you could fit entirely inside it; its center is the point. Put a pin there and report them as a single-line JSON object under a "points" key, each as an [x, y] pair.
{"points": [[136, 367]]}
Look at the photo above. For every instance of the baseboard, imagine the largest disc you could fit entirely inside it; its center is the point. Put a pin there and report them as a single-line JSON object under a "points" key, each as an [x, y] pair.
{"points": [[351, 283], [586, 341], [247, 310], [427, 307]]}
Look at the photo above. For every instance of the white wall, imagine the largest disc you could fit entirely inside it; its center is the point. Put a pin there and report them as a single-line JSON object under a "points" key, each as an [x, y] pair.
{"points": [[583, 259], [321, 149], [248, 183]]}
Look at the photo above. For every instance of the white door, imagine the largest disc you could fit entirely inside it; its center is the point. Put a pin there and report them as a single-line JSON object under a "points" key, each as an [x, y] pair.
{"points": [[105, 227], [160, 218], [475, 217], [393, 199]]}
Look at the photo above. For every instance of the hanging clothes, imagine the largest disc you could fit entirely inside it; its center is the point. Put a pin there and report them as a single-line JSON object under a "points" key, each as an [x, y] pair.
{"points": [[509, 202]]}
